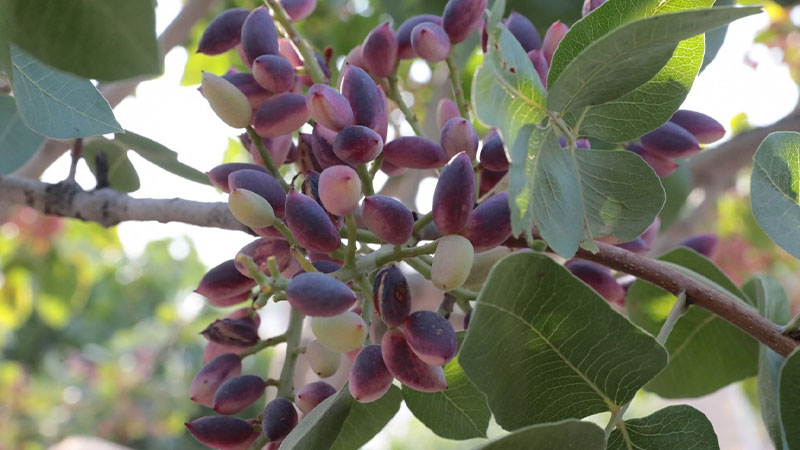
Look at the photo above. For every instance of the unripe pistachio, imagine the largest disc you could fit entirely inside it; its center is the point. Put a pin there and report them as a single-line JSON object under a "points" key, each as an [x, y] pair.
{"points": [[211, 377], [366, 99], [637, 245], [357, 144], [482, 264], [431, 337], [524, 31], [649, 235], [489, 179], [454, 195], [379, 50], [224, 282], [591, 5], [219, 174], [705, 243], [430, 42], [263, 184], [662, 165], [328, 107], [340, 333], [493, 155], [552, 38], [274, 73], [238, 393], [598, 278], [670, 140], [322, 149], [704, 128], [458, 135], [404, 47], [264, 248], [319, 295], [446, 110], [259, 36], [389, 219], [391, 296], [414, 152], [462, 17], [251, 209], [451, 262], [406, 366], [232, 332], [312, 394], [298, 9], [339, 190], [228, 102], [369, 377], [323, 362], [540, 64], [489, 224], [247, 84], [583, 143], [223, 33], [281, 114], [310, 224], [354, 58], [278, 419], [391, 170], [221, 432]]}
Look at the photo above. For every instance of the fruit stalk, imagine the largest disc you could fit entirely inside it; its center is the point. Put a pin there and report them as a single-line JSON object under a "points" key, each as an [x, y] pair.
{"points": [[309, 60], [397, 98]]}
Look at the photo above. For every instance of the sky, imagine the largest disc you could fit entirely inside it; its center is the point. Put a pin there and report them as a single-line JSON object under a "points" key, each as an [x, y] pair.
{"points": [[179, 117]]}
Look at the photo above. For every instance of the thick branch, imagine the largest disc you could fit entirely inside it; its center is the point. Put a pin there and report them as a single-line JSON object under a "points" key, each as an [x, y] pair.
{"points": [[697, 293], [109, 207]]}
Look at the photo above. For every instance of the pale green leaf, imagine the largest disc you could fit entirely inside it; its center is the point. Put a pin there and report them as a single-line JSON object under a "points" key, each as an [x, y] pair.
{"points": [[775, 189], [630, 55], [773, 304], [706, 352], [677, 187], [57, 104], [790, 400], [121, 174], [17, 142], [107, 40], [458, 412], [543, 346], [160, 156], [678, 427], [566, 435]]}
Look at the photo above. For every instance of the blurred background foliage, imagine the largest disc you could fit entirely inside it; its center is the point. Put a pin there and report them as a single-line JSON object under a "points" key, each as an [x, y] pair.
{"points": [[97, 342]]}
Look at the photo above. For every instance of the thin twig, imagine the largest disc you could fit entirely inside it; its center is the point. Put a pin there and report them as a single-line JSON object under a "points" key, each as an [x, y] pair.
{"points": [[309, 59], [397, 97], [458, 91]]}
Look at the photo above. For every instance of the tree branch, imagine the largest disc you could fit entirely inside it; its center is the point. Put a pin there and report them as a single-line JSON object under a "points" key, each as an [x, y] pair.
{"points": [[697, 293]]}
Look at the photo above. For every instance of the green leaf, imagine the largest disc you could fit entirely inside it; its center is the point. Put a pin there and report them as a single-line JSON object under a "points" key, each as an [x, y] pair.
{"points": [[566, 435], [790, 400], [715, 39], [575, 195], [678, 427], [57, 104], [706, 352], [506, 91], [773, 304], [543, 346], [122, 175], [17, 142], [650, 105], [340, 422], [107, 40], [160, 156], [630, 55], [459, 412], [775, 189]]}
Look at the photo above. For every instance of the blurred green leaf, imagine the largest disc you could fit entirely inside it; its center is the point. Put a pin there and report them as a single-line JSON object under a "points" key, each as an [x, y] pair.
{"points": [[677, 188], [775, 189], [107, 40], [160, 156], [534, 314], [569, 434], [121, 174], [56, 104], [678, 427], [773, 304], [790, 400], [17, 142], [706, 352]]}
